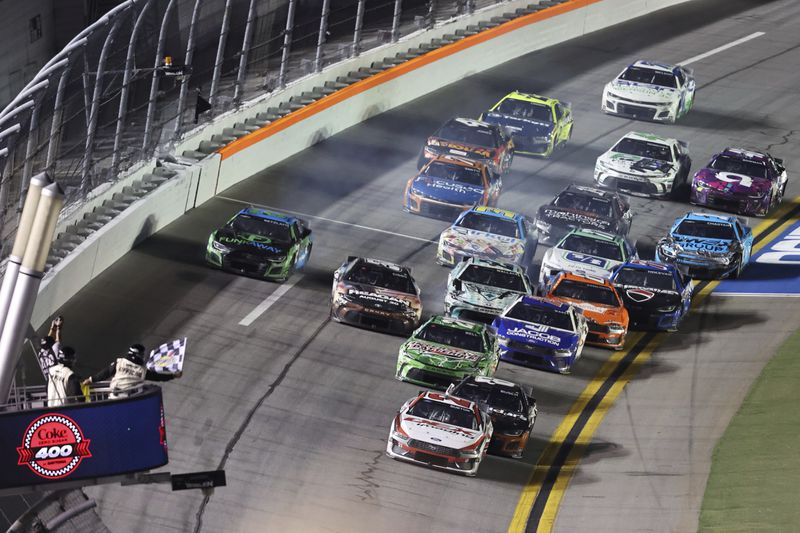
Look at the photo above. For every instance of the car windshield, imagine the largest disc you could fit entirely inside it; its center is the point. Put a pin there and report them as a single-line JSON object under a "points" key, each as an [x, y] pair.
{"points": [[444, 413], [708, 230], [263, 227], [539, 315], [456, 337], [584, 202], [587, 292], [642, 148], [461, 133], [649, 76], [496, 396], [381, 276], [589, 246], [649, 279], [489, 224], [724, 163], [527, 110], [511, 281], [453, 172]]}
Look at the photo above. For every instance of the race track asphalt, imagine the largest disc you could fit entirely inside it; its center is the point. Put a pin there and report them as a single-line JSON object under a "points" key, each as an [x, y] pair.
{"points": [[296, 408]]}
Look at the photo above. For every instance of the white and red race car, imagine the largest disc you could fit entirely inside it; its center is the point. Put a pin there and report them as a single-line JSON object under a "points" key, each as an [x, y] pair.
{"points": [[440, 431]]}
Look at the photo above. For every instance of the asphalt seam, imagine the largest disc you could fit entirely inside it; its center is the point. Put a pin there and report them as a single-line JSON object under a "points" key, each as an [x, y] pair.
{"points": [[567, 446]]}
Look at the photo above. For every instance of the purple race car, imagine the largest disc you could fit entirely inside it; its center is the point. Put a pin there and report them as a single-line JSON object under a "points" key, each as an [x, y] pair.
{"points": [[740, 181]]}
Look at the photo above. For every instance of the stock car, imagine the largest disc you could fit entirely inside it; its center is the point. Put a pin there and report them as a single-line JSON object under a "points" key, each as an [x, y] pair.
{"points": [[702, 245], [601, 305], [260, 243], [650, 91], [513, 411], [479, 289], [446, 186], [444, 350], [442, 432], [644, 164], [657, 296], [541, 333], [375, 294], [471, 139], [538, 124], [740, 181], [488, 233], [588, 252], [578, 206]]}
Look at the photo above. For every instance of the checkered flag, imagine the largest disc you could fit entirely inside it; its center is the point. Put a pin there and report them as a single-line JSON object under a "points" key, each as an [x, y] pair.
{"points": [[168, 358]]}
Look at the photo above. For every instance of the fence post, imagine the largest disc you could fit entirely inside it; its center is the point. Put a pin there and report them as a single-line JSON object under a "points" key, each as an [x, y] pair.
{"points": [[248, 36], [223, 36], [398, 9], [187, 62], [55, 123], [359, 25], [321, 38], [152, 101], [287, 43]]}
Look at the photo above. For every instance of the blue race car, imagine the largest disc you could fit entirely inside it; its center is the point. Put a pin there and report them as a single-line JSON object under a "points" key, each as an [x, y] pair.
{"points": [[657, 296], [541, 333], [702, 245]]}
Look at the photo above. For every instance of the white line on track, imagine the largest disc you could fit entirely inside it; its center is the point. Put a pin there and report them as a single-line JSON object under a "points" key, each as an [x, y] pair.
{"points": [[721, 48], [268, 302], [306, 215], [759, 294]]}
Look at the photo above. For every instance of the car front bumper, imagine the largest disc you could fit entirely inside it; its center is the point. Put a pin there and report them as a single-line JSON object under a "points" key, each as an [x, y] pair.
{"points": [[623, 107], [398, 450], [727, 202], [635, 185]]}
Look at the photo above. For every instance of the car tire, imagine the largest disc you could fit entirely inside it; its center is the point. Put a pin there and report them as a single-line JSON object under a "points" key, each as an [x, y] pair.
{"points": [[736, 273]]}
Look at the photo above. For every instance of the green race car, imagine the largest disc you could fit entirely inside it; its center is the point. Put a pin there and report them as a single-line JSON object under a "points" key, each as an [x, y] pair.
{"points": [[537, 124], [444, 350], [260, 243]]}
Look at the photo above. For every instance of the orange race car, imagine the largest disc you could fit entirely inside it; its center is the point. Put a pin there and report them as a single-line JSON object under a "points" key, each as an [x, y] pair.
{"points": [[446, 186], [600, 303]]}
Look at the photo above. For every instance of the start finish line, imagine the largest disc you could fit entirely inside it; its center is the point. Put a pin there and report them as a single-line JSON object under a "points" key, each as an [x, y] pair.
{"points": [[774, 271]]}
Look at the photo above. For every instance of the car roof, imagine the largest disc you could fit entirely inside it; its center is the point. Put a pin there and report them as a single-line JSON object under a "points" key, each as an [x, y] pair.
{"points": [[471, 123], [493, 381], [451, 400], [267, 215], [594, 191], [595, 234], [651, 137], [459, 161], [582, 277], [747, 155], [495, 212], [381, 264], [707, 217], [497, 265], [530, 97], [455, 323], [644, 63], [543, 303], [642, 264]]}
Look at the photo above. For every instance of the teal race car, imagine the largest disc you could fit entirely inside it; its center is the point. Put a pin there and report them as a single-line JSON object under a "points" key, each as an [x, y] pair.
{"points": [[260, 243], [444, 350]]}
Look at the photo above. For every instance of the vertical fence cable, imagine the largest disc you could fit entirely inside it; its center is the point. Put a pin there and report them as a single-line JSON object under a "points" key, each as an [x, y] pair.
{"points": [[153, 100], [321, 37], [287, 44], [248, 35], [223, 35], [187, 65]]}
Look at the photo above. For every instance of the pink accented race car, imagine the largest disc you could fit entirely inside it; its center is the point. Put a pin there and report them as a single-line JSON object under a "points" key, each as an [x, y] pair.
{"points": [[740, 181]]}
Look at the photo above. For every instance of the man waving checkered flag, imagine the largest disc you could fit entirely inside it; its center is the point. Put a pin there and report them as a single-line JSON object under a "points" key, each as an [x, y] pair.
{"points": [[168, 358]]}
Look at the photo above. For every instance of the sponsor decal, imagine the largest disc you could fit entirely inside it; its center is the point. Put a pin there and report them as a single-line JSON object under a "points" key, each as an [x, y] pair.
{"points": [[53, 446], [578, 218], [639, 295], [244, 242], [441, 350], [464, 148], [702, 244], [446, 428], [377, 297], [454, 187], [586, 259], [730, 179], [535, 333]]}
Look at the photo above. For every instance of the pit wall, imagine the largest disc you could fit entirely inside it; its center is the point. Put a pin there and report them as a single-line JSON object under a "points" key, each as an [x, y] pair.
{"points": [[291, 134]]}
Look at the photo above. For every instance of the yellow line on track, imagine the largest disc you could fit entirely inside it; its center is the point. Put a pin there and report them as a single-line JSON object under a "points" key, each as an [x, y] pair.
{"points": [[548, 456]]}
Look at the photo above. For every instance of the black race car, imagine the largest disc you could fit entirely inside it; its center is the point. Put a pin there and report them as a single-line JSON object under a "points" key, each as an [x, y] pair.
{"points": [[513, 411], [578, 206], [470, 139]]}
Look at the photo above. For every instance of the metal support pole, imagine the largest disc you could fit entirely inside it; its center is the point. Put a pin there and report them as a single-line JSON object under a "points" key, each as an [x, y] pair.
{"points": [[398, 9], [223, 36], [151, 104], [55, 123], [470, 7], [86, 164], [187, 61], [126, 87], [37, 183], [359, 25], [431, 13], [30, 276], [321, 37], [27, 165], [87, 89], [248, 37], [287, 43]]}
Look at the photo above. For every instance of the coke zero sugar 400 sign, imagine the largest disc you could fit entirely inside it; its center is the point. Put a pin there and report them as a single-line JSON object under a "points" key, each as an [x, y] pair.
{"points": [[53, 446]]}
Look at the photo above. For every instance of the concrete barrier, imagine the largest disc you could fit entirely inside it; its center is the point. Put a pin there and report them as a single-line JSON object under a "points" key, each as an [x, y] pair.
{"points": [[323, 118]]}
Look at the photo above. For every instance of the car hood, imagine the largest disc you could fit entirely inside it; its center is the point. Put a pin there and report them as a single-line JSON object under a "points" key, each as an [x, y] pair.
{"points": [[472, 151], [702, 245], [602, 314], [378, 297], [520, 126], [636, 165], [440, 354], [576, 262], [731, 183], [484, 244], [486, 295], [644, 92], [646, 297], [447, 190], [438, 432], [536, 334], [574, 218], [250, 243]]}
